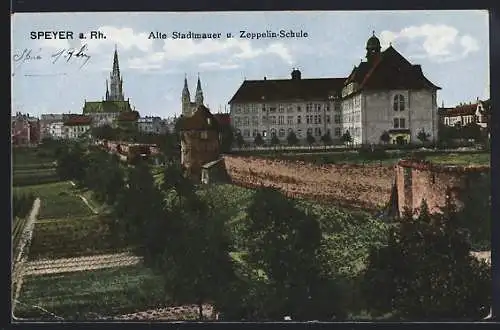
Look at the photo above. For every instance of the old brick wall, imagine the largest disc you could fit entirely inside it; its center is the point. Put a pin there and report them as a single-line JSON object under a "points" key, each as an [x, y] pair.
{"points": [[417, 181], [363, 186]]}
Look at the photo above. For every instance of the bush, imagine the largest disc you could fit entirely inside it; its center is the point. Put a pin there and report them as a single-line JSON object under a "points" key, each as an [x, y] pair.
{"points": [[426, 271], [22, 204], [373, 152]]}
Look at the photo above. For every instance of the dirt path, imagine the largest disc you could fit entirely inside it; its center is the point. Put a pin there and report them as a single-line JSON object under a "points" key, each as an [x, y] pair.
{"points": [[88, 204], [65, 265], [169, 314], [24, 244]]}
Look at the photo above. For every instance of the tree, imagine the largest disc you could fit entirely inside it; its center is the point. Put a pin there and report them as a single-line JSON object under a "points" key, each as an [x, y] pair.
{"points": [[426, 271], [423, 136], [385, 137], [274, 140], [310, 139], [284, 241], [240, 141], [71, 162], [292, 139], [346, 137], [258, 140], [326, 138], [226, 137], [195, 261]]}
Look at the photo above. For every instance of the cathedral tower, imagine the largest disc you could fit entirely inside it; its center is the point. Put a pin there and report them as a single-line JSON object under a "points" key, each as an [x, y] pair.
{"points": [[372, 48], [186, 99], [199, 94], [115, 92]]}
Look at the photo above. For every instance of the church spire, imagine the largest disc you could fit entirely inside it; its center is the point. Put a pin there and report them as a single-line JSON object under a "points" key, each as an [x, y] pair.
{"points": [[199, 93], [107, 90], [116, 81]]}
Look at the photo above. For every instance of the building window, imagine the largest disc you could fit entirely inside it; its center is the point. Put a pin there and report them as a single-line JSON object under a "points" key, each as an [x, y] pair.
{"points": [[255, 132], [299, 133], [289, 120], [281, 132], [399, 123], [327, 106], [298, 120], [246, 109], [273, 120], [264, 133], [317, 131], [337, 106], [299, 109], [273, 132], [309, 131], [246, 121], [399, 103], [281, 120], [281, 108], [309, 107], [204, 135], [263, 108], [246, 133], [338, 131], [255, 120], [309, 119], [255, 109], [272, 109], [337, 119], [327, 117], [317, 107]]}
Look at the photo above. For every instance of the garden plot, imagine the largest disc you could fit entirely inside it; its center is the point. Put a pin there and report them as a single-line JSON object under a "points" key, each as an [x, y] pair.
{"points": [[91, 294], [63, 238], [59, 200]]}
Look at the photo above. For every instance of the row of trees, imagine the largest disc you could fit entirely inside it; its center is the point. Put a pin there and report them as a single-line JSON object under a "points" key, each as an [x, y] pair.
{"points": [[292, 139], [424, 271], [22, 204]]}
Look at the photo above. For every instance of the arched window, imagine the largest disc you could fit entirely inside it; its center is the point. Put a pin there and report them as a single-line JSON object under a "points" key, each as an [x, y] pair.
{"points": [[399, 103]]}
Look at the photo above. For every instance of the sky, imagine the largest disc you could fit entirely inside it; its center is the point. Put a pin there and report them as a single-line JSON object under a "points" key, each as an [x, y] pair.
{"points": [[451, 46]]}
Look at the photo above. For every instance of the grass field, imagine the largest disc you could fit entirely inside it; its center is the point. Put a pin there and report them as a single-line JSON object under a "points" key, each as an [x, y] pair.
{"points": [[72, 237], [33, 166], [348, 235], [390, 158], [84, 295], [58, 200]]}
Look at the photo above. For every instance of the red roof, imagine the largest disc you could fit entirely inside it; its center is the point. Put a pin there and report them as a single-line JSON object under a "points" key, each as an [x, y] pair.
{"points": [[128, 116], [390, 70], [223, 118], [76, 120], [460, 110], [201, 119]]}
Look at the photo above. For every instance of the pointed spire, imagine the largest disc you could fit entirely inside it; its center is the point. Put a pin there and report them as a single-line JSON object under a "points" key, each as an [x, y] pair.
{"points": [[116, 65], [373, 33], [199, 93]]}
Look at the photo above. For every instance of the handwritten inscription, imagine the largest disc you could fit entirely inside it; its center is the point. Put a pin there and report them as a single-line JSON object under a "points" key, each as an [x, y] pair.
{"points": [[68, 54], [78, 55]]}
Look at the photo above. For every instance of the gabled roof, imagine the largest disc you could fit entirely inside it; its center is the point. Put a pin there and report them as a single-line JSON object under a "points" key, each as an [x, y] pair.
{"points": [[106, 106], [201, 119], [77, 120], [223, 118], [389, 70], [287, 89]]}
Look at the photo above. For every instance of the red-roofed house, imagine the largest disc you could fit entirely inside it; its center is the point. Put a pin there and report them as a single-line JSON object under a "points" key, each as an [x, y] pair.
{"points": [[386, 93], [463, 114], [76, 126], [25, 130]]}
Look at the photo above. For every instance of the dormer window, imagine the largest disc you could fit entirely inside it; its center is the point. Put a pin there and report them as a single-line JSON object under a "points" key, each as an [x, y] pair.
{"points": [[209, 121], [204, 135]]}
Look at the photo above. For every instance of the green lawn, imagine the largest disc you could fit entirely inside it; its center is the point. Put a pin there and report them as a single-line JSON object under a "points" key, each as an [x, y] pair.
{"points": [[83, 295], [33, 166], [461, 158], [73, 237], [58, 200]]}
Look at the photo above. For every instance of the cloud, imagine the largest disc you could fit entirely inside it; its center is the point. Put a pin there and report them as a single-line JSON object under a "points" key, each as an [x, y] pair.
{"points": [[440, 43], [125, 38], [233, 49], [218, 65]]}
